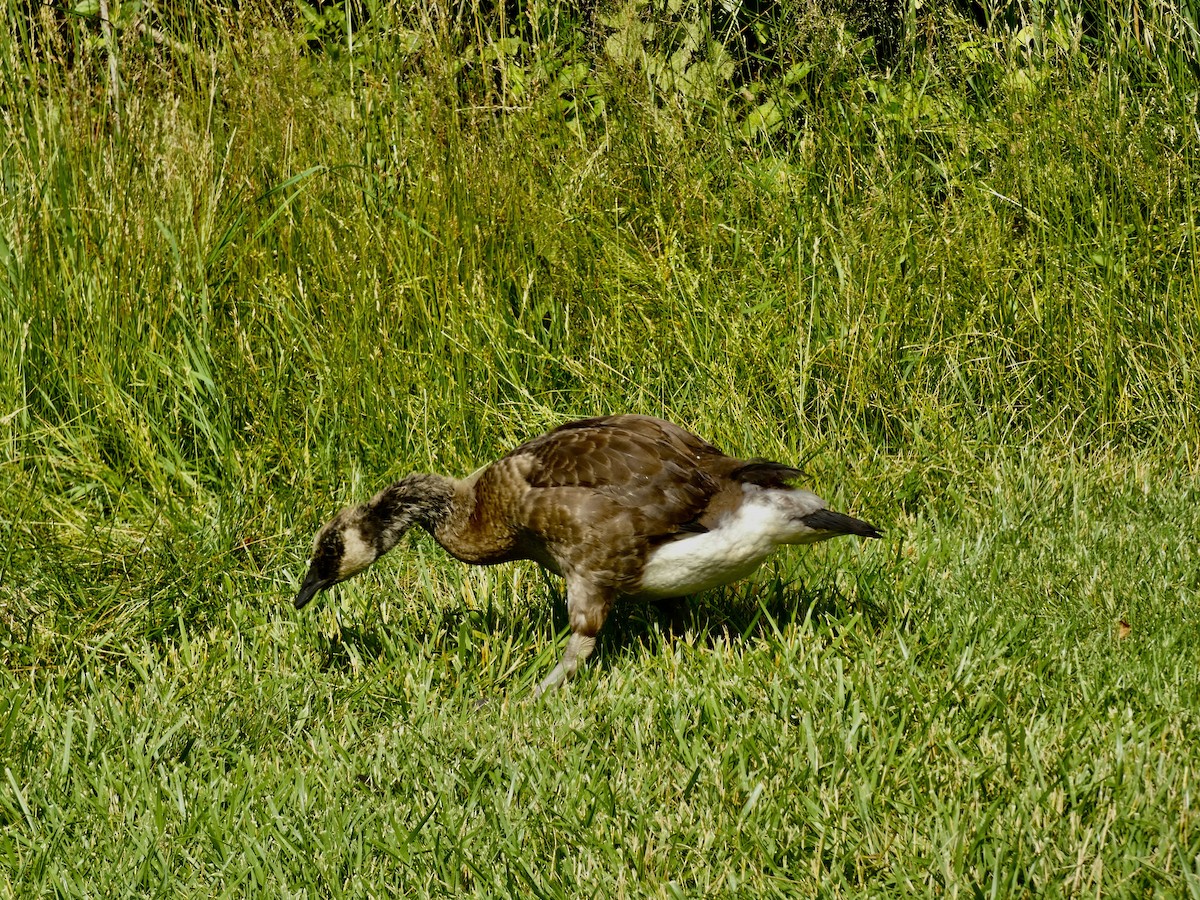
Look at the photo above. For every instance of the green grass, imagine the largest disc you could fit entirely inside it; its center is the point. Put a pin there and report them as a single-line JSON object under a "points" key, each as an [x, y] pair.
{"points": [[962, 293]]}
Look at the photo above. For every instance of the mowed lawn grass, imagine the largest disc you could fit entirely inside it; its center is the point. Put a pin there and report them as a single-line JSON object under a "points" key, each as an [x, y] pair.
{"points": [[268, 278], [954, 711]]}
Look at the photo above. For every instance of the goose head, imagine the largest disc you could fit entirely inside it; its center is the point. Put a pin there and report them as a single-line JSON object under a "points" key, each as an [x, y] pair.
{"points": [[340, 550], [358, 535]]}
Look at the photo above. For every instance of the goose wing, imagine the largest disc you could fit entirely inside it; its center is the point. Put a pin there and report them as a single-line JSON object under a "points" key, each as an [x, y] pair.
{"points": [[629, 463], [600, 494]]}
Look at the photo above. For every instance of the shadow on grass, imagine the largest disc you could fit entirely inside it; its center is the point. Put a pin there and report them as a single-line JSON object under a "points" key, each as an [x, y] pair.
{"points": [[452, 629], [367, 642], [743, 612], [740, 613]]}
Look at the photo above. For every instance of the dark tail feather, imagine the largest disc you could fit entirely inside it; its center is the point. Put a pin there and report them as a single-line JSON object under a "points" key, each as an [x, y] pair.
{"points": [[828, 520], [766, 474]]}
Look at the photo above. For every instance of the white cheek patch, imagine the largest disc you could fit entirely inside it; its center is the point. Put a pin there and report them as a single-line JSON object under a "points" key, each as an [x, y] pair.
{"points": [[357, 554]]}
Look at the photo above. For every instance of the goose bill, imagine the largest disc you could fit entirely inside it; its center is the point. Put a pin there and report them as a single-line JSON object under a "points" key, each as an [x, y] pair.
{"points": [[313, 584]]}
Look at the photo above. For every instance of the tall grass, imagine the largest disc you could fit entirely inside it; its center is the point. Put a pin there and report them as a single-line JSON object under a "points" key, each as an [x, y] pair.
{"points": [[290, 260]]}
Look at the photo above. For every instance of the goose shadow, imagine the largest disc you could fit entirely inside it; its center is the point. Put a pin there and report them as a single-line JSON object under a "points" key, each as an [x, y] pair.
{"points": [[733, 614], [738, 613], [351, 644]]}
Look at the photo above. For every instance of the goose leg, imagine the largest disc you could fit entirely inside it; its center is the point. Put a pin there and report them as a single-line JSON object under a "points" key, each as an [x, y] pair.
{"points": [[587, 608]]}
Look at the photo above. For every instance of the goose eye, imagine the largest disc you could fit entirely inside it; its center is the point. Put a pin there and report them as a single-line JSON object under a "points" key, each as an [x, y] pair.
{"points": [[331, 546]]}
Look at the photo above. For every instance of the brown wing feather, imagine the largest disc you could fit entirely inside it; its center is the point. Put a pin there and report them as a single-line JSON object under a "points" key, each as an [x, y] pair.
{"points": [[636, 461], [609, 450], [612, 486]]}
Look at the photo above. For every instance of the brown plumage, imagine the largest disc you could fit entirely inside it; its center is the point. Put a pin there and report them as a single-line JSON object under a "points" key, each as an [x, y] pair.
{"points": [[615, 505]]}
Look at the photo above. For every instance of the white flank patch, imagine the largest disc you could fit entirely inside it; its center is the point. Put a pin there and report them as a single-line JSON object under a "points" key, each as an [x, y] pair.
{"points": [[725, 554]]}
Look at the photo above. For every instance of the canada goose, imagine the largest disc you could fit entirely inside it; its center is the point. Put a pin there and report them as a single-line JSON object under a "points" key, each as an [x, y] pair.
{"points": [[615, 505]]}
